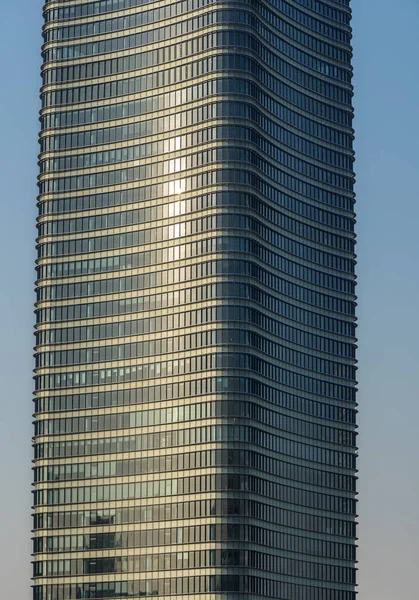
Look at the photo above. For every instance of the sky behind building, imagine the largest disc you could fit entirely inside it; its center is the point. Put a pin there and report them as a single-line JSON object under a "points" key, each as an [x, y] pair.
{"points": [[386, 102]]}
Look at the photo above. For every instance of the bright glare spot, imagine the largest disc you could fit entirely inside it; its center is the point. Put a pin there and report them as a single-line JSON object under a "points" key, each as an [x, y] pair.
{"points": [[176, 187]]}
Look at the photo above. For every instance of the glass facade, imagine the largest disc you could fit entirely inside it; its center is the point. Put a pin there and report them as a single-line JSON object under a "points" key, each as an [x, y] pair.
{"points": [[195, 411]]}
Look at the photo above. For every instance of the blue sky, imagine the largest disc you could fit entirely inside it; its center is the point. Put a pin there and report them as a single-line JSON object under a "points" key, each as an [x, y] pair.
{"points": [[386, 44]]}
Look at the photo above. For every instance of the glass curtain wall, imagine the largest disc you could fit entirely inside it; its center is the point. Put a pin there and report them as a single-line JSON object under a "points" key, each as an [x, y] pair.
{"points": [[195, 415]]}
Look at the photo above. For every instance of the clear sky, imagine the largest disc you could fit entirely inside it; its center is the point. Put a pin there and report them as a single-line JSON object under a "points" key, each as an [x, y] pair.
{"points": [[386, 43]]}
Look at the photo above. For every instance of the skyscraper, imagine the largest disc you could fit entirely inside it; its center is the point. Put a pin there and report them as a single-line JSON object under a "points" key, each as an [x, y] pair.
{"points": [[195, 339]]}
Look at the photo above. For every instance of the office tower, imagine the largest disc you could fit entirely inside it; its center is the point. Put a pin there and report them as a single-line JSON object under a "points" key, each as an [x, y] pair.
{"points": [[195, 349]]}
